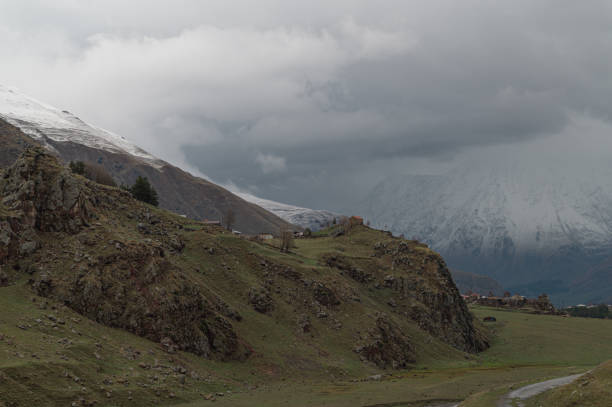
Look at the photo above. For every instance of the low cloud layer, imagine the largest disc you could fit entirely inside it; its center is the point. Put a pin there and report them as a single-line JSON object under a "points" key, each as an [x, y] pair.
{"points": [[312, 103]]}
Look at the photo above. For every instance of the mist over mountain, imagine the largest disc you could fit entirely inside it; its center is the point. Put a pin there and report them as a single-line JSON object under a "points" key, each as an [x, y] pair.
{"points": [[536, 217]]}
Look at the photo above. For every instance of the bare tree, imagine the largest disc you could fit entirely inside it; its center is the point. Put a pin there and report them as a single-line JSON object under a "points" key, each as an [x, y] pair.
{"points": [[229, 218], [98, 173], [92, 171], [286, 239], [345, 224]]}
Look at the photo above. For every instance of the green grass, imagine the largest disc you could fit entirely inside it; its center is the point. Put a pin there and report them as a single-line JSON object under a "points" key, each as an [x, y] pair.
{"points": [[39, 365], [591, 390], [47, 363], [525, 339], [555, 346], [515, 357]]}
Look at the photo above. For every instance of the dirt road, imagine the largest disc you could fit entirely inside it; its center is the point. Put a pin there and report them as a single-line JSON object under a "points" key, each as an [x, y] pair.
{"points": [[535, 389]]}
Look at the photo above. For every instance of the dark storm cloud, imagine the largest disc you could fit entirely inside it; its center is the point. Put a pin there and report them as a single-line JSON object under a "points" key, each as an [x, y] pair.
{"points": [[307, 102]]}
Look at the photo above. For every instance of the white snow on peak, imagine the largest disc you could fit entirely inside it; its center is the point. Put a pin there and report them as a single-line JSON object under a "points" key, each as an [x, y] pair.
{"points": [[41, 121], [304, 217], [511, 205]]}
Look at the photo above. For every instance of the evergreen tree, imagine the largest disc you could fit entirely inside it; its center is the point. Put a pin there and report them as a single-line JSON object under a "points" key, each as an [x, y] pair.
{"points": [[143, 191], [154, 199]]}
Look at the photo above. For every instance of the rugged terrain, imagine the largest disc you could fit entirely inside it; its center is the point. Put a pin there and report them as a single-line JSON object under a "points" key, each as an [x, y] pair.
{"points": [[361, 301], [72, 139]]}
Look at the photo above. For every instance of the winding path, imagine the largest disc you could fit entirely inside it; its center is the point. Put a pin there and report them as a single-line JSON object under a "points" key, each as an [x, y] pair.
{"points": [[524, 393], [535, 389]]}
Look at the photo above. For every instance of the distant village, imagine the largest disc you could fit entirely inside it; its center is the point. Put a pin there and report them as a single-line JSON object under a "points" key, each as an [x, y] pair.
{"points": [[540, 305]]}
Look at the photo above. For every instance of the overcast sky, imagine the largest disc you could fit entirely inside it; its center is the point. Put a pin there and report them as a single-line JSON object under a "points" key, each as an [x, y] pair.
{"points": [[313, 102]]}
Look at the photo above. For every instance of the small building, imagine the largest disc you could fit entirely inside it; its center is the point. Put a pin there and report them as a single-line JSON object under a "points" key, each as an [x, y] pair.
{"points": [[212, 222], [356, 220]]}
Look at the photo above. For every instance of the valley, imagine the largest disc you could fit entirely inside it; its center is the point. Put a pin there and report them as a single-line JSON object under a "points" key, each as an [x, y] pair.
{"points": [[107, 300], [305, 204], [82, 360]]}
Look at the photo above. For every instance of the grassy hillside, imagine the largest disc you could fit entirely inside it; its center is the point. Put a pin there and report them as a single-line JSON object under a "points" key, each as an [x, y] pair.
{"points": [[333, 308], [108, 301], [55, 363]]}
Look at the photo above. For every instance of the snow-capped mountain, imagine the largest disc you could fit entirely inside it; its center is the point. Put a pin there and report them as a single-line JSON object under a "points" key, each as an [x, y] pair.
{"points": [[313, 219], [73, 139], [526, 225], [43, 122]]}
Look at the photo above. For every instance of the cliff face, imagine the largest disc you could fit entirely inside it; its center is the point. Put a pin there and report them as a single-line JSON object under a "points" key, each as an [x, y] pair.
{"points": [[418, 287]]}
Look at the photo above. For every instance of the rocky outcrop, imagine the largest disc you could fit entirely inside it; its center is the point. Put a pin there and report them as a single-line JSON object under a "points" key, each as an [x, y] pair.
{"points": [[137, 289], [44, 195], [260, 300], [386, 345], [346, 267], [129, 285], [38, 195], [425, 292], [324, 295], [420, 289]]}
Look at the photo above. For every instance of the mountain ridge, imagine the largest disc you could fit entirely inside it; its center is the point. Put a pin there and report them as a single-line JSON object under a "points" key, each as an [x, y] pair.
{"points": [[314, 219], [74, 140]]}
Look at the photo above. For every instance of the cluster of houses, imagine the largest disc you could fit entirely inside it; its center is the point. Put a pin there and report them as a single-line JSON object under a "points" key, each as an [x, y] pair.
{"points": [[353, 221], [589, 306], [540, 305], [269, 236]]}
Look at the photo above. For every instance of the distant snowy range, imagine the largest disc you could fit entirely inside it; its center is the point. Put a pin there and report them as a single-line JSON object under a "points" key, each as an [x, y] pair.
{"points": [[537, 218], [314, 219]]}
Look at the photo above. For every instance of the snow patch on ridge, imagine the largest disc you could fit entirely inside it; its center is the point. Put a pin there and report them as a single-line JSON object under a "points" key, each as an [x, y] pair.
{"points": [[41, 121], [304, 217]]}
